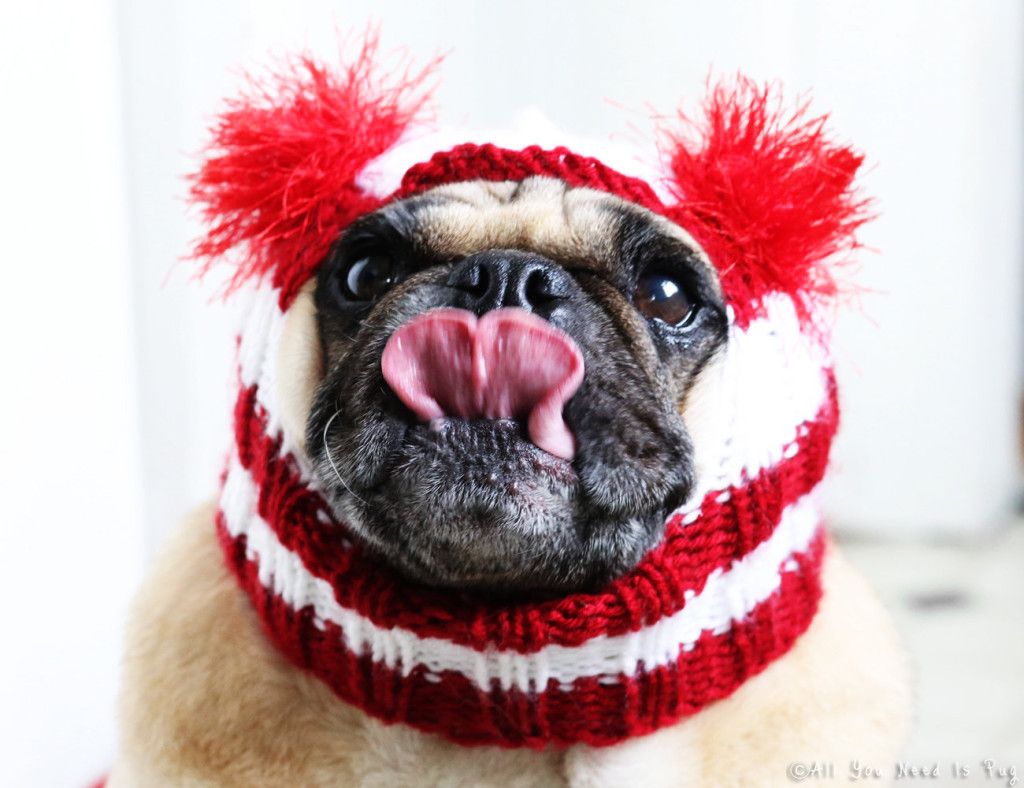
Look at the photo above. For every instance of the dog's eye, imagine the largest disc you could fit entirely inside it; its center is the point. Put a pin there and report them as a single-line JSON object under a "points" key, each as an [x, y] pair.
{"points": [[370, 277], [662, 297]]}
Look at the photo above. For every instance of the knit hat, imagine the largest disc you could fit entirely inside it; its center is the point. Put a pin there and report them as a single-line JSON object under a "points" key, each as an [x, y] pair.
{"points": [[735, 579]]}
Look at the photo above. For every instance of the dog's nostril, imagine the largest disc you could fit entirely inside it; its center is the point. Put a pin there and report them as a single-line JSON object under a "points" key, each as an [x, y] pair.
{"points": [[538, 288], [480, 282], [507, 278], [473, 280]]}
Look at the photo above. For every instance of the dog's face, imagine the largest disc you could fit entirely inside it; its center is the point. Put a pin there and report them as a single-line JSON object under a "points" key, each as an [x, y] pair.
{"points": [[476, 503]]}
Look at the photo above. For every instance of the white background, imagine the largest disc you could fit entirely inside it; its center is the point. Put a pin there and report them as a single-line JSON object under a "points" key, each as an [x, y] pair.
{"points": [[116, 388]]}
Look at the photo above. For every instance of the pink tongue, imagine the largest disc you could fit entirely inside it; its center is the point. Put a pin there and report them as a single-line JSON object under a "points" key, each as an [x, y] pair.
{"points": [[507, 364]]}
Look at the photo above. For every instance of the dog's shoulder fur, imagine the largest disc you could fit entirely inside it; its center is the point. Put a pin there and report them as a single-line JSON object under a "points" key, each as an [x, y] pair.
{"points": [[206, 700]]}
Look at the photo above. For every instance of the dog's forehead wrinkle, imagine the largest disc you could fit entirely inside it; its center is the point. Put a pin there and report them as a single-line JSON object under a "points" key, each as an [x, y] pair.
{"points": [[572, 225]]}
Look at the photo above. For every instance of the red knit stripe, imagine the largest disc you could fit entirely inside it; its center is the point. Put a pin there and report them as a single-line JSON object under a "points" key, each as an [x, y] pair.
{"points": [[591, 711], [470, 162], [726, 530]]}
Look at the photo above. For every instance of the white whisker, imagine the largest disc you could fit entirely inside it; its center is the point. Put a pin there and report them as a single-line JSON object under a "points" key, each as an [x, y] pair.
{"points": [[330, 459]]}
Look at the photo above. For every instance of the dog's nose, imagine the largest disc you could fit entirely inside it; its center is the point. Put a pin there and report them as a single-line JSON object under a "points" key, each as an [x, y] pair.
{"points": [[508, 277]]}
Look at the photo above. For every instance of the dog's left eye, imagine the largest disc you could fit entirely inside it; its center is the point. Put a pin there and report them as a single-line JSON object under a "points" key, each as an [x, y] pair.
{"points": [[370, 277], [662, 297]]}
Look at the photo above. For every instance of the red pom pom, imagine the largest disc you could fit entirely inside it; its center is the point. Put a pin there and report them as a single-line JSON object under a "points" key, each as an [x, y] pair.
{"points": [[279, 178], [767, 194]]}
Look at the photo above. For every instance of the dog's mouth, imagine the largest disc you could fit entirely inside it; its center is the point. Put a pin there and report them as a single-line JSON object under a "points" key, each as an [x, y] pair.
{"points": [[475, 504], [508, 364], [485, 456], [486, 459]]}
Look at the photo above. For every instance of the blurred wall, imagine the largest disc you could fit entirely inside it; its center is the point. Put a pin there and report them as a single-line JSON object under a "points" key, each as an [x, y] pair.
{"points": [[71, 525], [119, 398]]}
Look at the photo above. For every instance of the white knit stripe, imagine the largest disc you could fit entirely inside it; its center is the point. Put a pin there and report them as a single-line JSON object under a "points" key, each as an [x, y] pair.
{"points": [[775, 375], [728, 596], [262, 315], [258, 360], [772, 381]]}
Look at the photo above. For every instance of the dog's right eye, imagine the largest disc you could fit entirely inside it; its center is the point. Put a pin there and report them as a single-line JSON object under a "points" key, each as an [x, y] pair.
{"points": [[368, 278], [664, 297]]}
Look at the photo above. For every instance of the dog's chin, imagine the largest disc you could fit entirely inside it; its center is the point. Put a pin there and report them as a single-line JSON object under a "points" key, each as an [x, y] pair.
{"points": [[474, 505], [486, 459]]}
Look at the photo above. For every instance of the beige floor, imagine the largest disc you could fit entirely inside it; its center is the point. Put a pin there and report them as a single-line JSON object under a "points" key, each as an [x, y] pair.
{"points": [[960, 608]]}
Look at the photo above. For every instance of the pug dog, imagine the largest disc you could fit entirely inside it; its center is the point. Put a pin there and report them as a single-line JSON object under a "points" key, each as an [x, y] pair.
{"points": [[491, 501]]}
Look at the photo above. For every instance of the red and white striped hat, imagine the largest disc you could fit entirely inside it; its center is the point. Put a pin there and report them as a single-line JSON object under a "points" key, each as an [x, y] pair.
{"points": [[735, 580]]}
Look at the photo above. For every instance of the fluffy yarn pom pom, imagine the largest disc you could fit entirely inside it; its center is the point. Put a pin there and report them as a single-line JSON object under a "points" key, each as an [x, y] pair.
{"points": [[767, 194], [279, 178]]}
